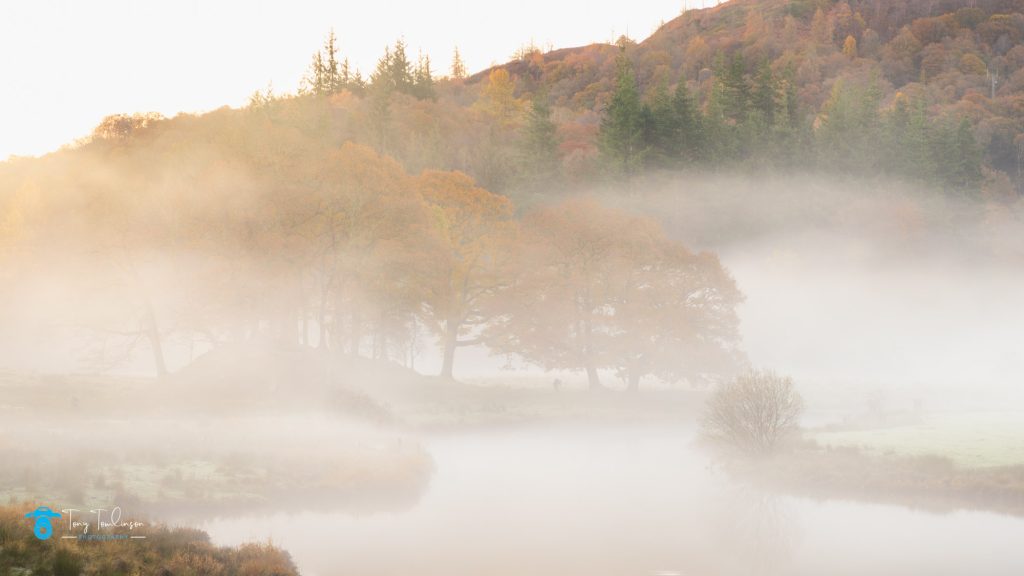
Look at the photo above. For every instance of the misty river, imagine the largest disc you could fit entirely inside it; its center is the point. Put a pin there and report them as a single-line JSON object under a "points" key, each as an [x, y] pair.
{"points": [[574, 500]]}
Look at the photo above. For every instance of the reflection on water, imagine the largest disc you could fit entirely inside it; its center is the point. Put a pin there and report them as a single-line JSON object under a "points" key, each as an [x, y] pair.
{"points": [[563, 501]]}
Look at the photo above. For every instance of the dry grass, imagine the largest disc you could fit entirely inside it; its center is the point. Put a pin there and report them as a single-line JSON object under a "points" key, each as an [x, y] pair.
{"points": [[164, 551]]}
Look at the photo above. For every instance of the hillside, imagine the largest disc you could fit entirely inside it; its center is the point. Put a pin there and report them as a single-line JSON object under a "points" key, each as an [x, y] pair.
{"points": [[958, 62], [805, 85]]}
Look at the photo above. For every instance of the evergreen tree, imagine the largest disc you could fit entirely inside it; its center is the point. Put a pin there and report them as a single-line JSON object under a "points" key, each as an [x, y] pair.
{"points": [[621, 134], [765, 96], [423, 82], [735, 91], [908, 144], [381, 89], [792, 138], [324, 76], [661, 129], [967, 158], [689, 125], [540, 143], [400, 69], [332, 75], [458, 67], [956, 156], [381, 77]]}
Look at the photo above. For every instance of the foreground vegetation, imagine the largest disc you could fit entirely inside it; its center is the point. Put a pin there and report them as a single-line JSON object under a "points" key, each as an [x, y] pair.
{"points": [[164, 551]]}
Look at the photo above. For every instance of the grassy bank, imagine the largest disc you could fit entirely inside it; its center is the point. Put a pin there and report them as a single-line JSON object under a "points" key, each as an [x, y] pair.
{"points": [[927, 482], [968, 440]]}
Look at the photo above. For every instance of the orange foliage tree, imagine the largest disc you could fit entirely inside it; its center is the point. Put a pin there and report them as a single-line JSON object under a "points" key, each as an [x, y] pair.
{"points": [[596, 289], [475, 229]]}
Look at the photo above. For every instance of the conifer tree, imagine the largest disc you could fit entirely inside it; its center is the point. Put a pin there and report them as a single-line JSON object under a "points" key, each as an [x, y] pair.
{"points": [[458, 67], [764, 97], [661, 129], [423, 81], [400, 69], [689, 125], [621, 134], [540, 143], [332, 75]]}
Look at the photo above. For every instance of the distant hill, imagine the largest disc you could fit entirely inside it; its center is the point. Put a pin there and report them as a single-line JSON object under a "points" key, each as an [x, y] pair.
{"points": [[962, 59], [927, 90]]}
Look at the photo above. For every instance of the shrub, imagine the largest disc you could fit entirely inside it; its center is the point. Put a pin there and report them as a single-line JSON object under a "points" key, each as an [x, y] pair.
{"points": [[753, 413]]}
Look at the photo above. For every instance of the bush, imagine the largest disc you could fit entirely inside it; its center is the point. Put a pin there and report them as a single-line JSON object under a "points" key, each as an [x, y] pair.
{"points": [[753, 413]]}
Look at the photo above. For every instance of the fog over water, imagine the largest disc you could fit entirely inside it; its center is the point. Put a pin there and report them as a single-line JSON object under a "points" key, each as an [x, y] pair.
{"points": [[570, 500]]}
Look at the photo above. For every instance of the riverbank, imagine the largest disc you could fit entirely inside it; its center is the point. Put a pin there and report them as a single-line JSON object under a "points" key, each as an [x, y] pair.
{"points": [[932, 483]]}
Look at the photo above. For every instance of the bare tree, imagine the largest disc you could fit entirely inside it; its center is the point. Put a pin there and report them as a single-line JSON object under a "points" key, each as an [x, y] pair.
{"points": [[753, 413]]}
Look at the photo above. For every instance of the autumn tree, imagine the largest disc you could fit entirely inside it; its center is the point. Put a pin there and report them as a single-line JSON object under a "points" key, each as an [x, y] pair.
{"points": [[370, 239], [675, 313], [476, 230], [497, 97], [598, 289], [850, 47]]}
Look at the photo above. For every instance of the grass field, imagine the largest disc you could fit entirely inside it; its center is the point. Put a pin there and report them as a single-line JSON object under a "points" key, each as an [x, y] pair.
{"points": [[969, 440]]}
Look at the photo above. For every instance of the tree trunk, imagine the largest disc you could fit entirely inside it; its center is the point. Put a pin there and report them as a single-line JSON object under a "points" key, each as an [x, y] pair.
{"points": [[592, 377], [303, 327], [451, 336], [322, 320], [634, 380], [155, 341], [354, 337]]}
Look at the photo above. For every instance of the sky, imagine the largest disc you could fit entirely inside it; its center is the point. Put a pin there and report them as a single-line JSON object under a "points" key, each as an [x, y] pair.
{"points": [[64, 65]]}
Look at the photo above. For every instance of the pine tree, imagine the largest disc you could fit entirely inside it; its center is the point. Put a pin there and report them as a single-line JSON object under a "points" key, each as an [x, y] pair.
{"points": [[381, 89], [332, 76], [540, 143], [735, 91], [423, 82], [661, 129], [458, 68], [765, 95], [908, 142], [381, 77], [324, 76], [400, 69], [690, 130], [313, 82], [967, 158], [621, 132]]}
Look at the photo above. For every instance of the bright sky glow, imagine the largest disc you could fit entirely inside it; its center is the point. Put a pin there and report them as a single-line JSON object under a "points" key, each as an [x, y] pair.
{"points": [[65, 64]]}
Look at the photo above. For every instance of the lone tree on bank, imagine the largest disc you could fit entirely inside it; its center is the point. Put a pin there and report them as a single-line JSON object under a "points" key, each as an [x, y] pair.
{"points": [[753, 413]]}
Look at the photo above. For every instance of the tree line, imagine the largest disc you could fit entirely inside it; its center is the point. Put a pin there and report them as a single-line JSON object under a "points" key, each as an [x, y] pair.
{"points": [[245, 231], [753, 117]]}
